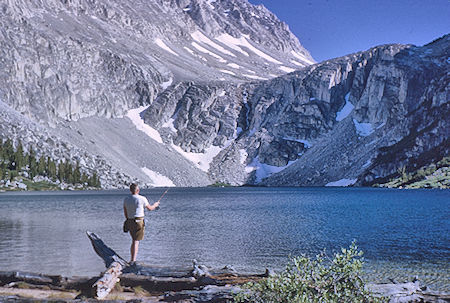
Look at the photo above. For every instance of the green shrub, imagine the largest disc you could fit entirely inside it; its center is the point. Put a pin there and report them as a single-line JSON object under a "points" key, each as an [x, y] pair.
{"points": [[313, 280]]}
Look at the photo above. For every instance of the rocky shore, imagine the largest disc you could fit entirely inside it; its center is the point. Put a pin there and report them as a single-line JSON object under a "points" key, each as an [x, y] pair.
{"points": [[146, 284], [136, 282]]}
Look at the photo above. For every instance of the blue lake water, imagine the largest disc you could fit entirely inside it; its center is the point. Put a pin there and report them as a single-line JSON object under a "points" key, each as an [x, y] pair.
{"points": [[403, 233]]}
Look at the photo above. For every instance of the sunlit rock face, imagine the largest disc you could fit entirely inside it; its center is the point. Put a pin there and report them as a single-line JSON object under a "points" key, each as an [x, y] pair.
{"points": [[73, 59], [357, 118], [193, 92]]}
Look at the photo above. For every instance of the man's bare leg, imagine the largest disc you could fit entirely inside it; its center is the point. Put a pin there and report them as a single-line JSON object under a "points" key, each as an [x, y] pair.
{"points": [[134, 250]]}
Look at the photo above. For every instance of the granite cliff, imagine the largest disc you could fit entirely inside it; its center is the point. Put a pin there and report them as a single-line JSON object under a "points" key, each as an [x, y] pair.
{"points": [[193, 92]]}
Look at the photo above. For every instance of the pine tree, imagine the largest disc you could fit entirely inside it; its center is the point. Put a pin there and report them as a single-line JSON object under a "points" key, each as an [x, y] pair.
{"points": [[51, 169], [12, 175], [68, 171], [77, 173], [2, 154], [18, 156], [41, 166], [93, 180], [84, 179], [32, 163], [9, 153], [60, 172]]}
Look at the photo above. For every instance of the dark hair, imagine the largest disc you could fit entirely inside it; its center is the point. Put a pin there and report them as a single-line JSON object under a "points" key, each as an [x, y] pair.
{"points": [[133, 188]]}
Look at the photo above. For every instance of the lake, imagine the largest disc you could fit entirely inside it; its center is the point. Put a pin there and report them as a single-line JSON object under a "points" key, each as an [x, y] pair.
{"points": [[403, 233]]}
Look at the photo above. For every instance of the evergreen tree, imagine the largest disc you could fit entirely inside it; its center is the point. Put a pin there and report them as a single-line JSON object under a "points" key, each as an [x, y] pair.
{"points": [[41, 166], [51, 169], [77, 173], [19, 158], [93, 180], [68, 171], [84, 179], [32, 163], [60, 173], [12, 175], [9, 153], [2, 154]]}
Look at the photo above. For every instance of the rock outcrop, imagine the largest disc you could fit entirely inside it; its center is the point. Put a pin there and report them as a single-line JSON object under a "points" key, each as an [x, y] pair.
{"points": [[209, 80], [354, 119]]}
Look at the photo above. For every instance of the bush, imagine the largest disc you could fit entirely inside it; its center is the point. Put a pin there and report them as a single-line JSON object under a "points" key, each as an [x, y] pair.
{"points": [[313, 280]]}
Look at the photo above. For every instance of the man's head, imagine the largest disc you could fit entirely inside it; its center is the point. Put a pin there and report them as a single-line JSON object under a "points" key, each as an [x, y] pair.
{"points": [[134, 188]]}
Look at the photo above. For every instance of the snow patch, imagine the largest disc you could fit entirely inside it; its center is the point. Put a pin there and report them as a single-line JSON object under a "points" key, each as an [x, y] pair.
{"points": [[346, 110], [200, 37], [302, 57], [235, 44], [161, 44], [342, 182], [158, 180], [263, 170], [243, 155], [363, 129], [135, 116], [238, 131], [204, 50], [227, 72], [169, 124], [233, 65], [286, 69], [166, 84], [254, 77], [201, 160], [231, 42], [298, 63]]}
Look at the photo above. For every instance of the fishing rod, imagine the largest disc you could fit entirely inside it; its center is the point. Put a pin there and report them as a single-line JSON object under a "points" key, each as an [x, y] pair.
{"points": [[161, 198]]}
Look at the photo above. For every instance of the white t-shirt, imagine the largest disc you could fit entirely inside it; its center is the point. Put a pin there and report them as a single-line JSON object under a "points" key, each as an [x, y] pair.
{"points": [[134, 204]]}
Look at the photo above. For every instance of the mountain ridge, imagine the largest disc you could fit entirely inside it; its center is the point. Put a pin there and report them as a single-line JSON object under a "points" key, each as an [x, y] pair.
{"points": [[194, 92]]}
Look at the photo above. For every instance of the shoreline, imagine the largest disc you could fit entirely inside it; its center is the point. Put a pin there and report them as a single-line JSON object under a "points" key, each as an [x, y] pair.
{"points": [[197, 285]]}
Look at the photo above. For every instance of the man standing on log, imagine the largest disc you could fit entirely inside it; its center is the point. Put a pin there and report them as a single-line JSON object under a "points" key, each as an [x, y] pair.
{"points": [[133, 209]]}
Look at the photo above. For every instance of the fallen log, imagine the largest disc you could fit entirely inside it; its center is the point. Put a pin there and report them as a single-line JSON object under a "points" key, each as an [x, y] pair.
{"points": [[103, 286], [200, 282], [115, 263]]}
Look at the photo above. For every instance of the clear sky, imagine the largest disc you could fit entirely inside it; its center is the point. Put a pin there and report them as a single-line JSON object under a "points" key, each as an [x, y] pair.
{"points": [[333, 28]]}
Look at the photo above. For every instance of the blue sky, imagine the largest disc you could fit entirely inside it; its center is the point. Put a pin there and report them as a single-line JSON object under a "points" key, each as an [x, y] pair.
{"points": [[333, 28]]}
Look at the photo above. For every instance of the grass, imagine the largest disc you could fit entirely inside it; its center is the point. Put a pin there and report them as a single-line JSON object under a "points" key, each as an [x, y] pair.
{"points": [[430, 176], [139, 291], [39, 186]]}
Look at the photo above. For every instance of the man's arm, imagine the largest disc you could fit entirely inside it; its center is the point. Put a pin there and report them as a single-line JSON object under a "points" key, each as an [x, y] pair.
{"points": [[153, 206], [125, 212]]}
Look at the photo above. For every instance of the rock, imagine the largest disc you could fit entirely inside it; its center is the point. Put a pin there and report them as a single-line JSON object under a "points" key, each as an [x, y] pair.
{"points": [[199, 270]]}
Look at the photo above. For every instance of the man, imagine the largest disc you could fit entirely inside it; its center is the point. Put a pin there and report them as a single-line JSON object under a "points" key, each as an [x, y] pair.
{"points": [[133, 209]]}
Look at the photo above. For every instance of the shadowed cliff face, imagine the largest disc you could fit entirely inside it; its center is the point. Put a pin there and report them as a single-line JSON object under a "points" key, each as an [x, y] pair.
{"points": [[358, 118]]}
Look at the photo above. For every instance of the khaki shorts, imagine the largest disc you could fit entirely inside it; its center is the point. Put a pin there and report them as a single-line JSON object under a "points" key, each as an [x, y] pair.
{"points": [[136, 228]]}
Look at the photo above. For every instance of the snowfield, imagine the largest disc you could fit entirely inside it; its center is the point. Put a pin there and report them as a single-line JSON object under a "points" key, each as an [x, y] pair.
{"points": [[161, 44], [158, 180], [135, 116]]}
